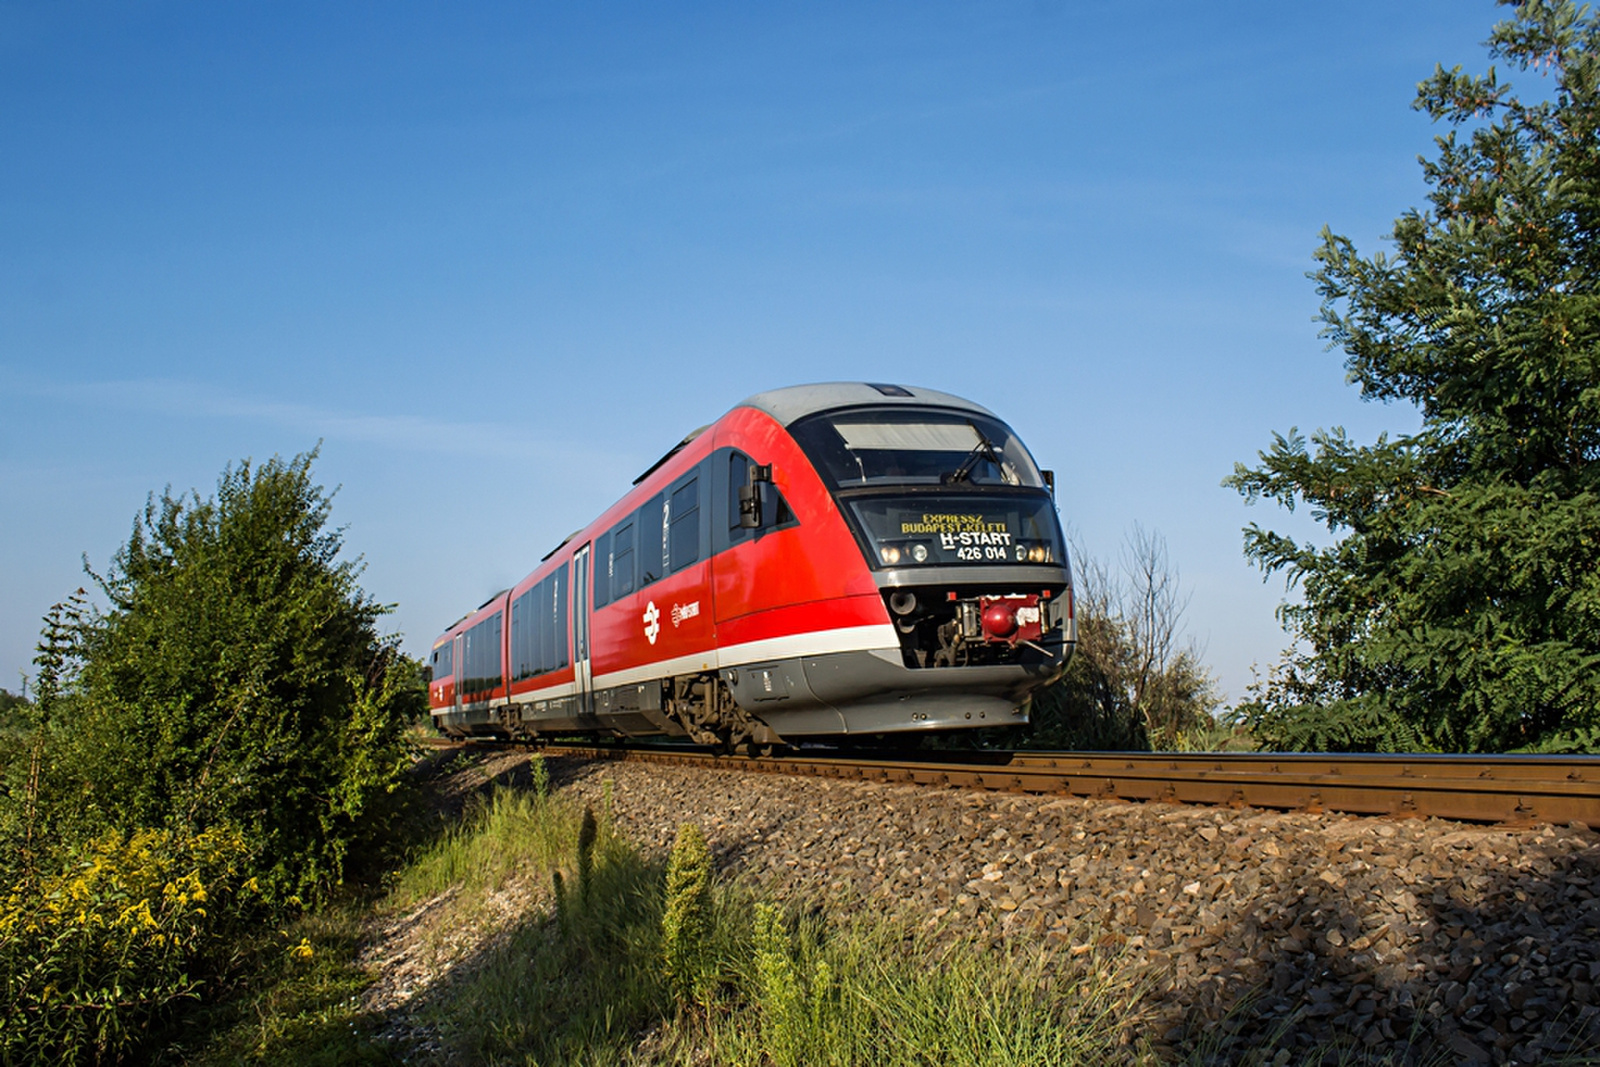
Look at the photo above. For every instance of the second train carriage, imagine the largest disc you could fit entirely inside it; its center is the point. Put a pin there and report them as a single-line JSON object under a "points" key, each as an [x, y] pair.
{"points": [[822, 561]]}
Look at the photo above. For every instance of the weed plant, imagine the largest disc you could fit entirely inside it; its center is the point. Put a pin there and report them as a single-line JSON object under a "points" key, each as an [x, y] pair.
{"points": [[94, 955]]}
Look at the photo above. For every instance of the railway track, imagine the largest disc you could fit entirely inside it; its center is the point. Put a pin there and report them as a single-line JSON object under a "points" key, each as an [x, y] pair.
{"points": [[1515, 790]]}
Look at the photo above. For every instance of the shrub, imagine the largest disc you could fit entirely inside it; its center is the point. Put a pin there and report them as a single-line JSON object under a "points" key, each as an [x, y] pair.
{"points": [[238, 677]]}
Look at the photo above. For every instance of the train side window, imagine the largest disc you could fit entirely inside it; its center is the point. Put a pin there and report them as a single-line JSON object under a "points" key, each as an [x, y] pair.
{"points": [[560, 616], [601, 585], [495, 654], [548, 634], [684, 535], [522, 665], [470, 644], [536, 635], [483, 666], [652, 539], [622, 560]]}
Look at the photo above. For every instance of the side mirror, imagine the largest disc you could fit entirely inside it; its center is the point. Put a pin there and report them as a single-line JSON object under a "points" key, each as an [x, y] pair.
{"points": [[1049, 481], [757, 500]]}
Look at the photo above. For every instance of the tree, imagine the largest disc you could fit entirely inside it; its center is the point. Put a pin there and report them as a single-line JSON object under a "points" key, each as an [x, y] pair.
{"points": [[237, 678], [1458, 606]]}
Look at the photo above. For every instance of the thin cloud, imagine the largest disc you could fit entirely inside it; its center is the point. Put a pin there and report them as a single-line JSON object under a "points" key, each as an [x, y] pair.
{"points": [[198, 400]]}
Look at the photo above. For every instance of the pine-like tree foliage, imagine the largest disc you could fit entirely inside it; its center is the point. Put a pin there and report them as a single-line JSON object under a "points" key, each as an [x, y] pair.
{"points": [[1458, 607], [238, 677]]}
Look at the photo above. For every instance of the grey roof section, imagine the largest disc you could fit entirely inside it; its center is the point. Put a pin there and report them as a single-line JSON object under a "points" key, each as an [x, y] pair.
{"points": [[798, 401]]}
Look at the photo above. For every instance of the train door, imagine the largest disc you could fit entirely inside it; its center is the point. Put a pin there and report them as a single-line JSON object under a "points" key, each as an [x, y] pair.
{"points": [[582, 677]]}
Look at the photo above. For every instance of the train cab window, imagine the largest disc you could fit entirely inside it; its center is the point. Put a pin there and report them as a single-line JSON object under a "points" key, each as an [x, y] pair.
{"points": [[914, 446], [652, 540], [684, 535], [622, 560], [738, 476], [441, 661]]}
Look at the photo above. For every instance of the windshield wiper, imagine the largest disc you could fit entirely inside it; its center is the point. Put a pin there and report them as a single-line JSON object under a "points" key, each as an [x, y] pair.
{"points": [[984, 449]]}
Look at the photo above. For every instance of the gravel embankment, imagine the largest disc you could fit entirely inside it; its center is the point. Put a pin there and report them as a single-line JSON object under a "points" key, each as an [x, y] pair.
{"points": [[1408, 938]]}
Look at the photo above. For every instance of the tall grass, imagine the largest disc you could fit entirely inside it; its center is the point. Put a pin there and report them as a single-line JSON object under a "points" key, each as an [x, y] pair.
{"points": [[871, 992], [508, 835]]}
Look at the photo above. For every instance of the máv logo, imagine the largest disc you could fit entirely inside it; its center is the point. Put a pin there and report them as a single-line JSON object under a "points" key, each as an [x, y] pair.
{"points": [[652, 621], [684, 611]]}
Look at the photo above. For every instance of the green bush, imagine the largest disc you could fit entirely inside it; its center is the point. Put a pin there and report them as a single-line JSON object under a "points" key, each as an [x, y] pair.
{"points": [[238, 678]]}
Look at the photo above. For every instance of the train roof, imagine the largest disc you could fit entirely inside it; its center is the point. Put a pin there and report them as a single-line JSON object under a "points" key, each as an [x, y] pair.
{"points": [[798, 401]]}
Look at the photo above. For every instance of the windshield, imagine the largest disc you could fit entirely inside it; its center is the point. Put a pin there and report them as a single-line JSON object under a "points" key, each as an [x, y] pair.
{"points": [[908, 446], [951, 528]]}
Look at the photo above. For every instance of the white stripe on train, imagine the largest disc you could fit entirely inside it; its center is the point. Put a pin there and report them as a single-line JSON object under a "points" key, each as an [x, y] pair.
{"points": [[877, 637]]}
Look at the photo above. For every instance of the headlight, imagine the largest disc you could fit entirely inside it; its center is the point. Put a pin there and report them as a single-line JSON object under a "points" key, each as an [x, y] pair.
{"points": [[903, 552], [1036, 554]]}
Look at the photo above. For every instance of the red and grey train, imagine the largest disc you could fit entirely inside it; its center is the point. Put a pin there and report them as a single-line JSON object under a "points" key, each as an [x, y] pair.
{"points": [[823, 562]]}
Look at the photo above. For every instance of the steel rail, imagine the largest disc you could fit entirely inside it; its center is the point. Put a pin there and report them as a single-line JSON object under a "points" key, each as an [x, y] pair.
{"points": [[1516, 790]]}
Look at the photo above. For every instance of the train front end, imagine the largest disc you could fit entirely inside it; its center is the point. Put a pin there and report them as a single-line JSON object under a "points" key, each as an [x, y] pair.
{"points": [[957, 526]]}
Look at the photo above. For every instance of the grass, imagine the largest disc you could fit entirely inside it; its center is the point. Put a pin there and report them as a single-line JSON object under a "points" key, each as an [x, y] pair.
{"points": [[582, 980], [298, 1008], [498, 839]]}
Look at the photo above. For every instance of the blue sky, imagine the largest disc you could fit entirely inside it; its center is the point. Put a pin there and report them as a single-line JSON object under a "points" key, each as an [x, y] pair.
{"points": [[499, 257]]}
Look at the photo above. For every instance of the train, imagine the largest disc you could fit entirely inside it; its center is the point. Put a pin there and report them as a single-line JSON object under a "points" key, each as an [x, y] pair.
{"points": [[848, 562]]}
